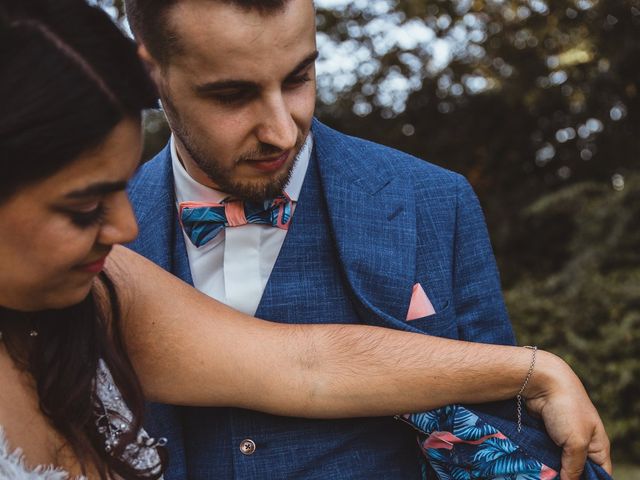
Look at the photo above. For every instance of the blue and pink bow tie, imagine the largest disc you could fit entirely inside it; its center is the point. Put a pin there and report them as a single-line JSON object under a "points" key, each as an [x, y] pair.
{"points": [[203, 221]]}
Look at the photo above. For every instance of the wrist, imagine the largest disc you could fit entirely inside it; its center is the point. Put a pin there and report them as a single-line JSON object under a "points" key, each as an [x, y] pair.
{"points": [[547, 375]]}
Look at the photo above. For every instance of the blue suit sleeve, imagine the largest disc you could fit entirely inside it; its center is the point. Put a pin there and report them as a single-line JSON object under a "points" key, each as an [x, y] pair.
{"points": [[483, 441], [479, 306]]}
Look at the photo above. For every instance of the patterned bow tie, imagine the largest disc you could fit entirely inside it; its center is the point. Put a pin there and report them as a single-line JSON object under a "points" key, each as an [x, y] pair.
{"points": [[203, 221]]}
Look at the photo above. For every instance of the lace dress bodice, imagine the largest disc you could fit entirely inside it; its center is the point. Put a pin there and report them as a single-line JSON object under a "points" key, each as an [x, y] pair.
{"points": [[115, 419]]}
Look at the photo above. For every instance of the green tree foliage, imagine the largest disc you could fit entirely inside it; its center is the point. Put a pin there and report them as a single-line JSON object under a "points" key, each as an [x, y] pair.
{"points": [[587, 308], [539, 70]]}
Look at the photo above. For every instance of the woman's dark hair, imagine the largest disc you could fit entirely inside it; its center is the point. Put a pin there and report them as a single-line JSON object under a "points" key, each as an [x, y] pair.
{"points": [[69, 76]]}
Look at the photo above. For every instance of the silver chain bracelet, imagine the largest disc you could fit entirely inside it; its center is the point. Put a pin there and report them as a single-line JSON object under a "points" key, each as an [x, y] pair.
{"points": [[524, 385]]}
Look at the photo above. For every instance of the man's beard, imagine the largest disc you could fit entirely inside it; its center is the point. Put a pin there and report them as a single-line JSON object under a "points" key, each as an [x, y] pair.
{"points": [[253, 191], [257, 190]]}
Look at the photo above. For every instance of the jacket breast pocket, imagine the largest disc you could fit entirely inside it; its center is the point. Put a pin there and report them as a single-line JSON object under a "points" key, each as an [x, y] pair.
{"points": [[440, 324]]}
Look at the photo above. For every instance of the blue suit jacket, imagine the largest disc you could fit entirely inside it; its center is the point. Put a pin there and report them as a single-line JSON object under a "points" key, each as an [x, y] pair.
{"points": [[396, 221]]}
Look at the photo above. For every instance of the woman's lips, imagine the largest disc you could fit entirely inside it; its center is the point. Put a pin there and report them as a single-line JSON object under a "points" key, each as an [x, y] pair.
{"points": [[94, 267], [271, 164]]}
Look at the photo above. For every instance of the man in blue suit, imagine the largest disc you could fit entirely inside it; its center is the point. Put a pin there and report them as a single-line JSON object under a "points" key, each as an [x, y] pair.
{"points": [[363, 233]]}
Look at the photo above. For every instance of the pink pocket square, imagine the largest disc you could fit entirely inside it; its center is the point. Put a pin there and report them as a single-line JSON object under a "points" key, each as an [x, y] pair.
{"points": [[420, 305]]}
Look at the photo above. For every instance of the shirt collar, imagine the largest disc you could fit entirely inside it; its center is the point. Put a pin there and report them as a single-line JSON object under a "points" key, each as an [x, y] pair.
{"points": [[189, 190]]}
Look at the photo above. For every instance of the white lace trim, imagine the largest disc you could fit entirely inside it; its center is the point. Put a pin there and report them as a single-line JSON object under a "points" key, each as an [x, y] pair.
{"points": [[117, 418], [12, 466], [142, 456]]}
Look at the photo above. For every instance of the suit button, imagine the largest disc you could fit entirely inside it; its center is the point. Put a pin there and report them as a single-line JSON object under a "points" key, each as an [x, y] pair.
{"points": [[247, 447]]}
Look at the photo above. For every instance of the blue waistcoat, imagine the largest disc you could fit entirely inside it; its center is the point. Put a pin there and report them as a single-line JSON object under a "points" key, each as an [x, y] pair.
{"points": [[307, 285]]}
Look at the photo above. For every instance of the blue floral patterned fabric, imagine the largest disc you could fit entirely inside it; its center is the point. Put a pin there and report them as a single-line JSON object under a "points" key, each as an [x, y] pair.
{"points": [[461, 446], [203, 222]]}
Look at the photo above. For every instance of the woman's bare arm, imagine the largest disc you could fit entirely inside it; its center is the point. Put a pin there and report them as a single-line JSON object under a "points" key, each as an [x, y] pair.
{"points": [[189, 349]]}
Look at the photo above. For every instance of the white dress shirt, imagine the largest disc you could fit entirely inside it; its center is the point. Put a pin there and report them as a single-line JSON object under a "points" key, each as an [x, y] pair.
{"points": [[235, 266]]}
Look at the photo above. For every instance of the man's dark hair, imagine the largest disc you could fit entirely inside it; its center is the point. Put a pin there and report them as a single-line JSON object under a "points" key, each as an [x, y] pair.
{"points": [[148, 21]]}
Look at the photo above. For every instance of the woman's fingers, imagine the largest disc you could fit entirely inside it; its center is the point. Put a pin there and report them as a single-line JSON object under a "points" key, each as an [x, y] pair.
{"points": [[570, 418], [600, 449]]}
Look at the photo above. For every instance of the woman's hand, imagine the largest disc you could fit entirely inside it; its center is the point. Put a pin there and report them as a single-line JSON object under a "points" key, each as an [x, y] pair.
{"points": [[557, 395]]}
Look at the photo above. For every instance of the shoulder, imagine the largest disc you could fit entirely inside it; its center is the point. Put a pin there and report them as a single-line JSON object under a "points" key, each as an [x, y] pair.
{"points": [[152, 185], [19, 407], [382, 160], [152, 173]]}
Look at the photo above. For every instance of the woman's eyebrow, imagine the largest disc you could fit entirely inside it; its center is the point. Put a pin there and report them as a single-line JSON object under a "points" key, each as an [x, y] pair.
{"points": [[101, 188]]}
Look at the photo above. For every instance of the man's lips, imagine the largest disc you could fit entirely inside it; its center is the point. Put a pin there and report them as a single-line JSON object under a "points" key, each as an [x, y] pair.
{"points": [[271, 164]]}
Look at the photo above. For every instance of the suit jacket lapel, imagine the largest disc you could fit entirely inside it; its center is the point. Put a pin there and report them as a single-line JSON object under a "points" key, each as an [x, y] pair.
{"points": [[152, 194], [373, 219]]}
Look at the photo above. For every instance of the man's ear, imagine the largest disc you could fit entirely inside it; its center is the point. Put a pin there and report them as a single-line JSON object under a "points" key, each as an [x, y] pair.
{"points": [[153, 66]]}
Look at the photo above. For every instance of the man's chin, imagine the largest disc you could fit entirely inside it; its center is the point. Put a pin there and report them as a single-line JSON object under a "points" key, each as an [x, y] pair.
{"points": [[261, 189], [258, 193]]}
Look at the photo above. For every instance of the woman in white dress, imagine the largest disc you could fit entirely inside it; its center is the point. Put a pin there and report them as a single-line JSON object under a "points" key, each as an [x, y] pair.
{"points": [[85, 339]]}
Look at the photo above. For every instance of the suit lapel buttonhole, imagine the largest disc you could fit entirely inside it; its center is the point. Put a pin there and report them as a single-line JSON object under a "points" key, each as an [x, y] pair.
{"points": [[395, 213]]}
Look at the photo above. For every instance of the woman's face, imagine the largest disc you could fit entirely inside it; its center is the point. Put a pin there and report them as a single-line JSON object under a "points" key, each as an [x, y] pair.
{"points": [[57, 232]]}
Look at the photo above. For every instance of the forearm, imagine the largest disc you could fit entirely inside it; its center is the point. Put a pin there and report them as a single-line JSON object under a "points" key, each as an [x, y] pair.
{"points": [[349, 370], [189, 349]]}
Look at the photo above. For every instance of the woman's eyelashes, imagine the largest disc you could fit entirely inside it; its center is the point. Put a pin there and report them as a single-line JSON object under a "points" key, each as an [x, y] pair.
{"points": [[89, 218]]}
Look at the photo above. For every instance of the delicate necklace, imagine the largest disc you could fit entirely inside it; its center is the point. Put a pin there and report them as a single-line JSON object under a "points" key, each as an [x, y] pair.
{"points": [[18, 319], [32, 333]]}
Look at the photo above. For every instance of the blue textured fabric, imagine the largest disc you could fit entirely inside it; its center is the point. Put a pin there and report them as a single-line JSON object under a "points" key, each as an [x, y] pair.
{"points": [[418, 223]]}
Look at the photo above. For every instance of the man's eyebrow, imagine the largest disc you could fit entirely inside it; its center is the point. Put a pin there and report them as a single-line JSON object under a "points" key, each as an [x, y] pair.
{"points": [[304, 64], [96, 189], [212, 87]]}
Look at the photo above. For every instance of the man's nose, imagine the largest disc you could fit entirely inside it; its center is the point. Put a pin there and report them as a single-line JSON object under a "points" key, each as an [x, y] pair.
{"points": [[120, 224], [277, 126]]}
